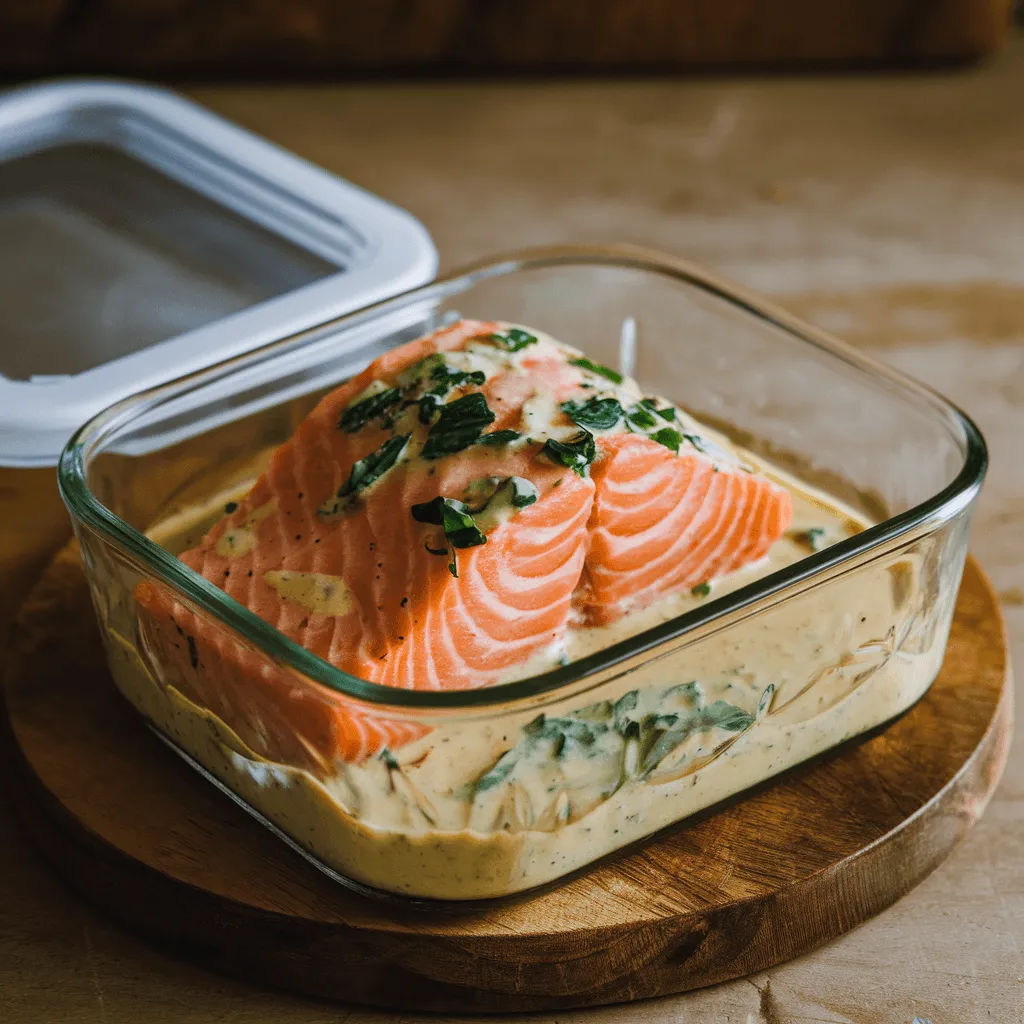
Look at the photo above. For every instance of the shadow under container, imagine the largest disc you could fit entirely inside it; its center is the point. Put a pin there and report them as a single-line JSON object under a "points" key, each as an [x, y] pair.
{"points": [[497, 790]]}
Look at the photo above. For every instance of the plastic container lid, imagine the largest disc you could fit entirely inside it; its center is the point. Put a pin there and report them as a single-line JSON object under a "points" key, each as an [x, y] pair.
{"points": [[142, 238]]}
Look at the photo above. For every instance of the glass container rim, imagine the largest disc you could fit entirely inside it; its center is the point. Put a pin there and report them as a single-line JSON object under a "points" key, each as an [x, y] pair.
{"points": [[86, 508]]}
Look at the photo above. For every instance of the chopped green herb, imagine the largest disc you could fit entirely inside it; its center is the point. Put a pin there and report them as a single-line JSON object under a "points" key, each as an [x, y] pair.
{"points": [[701, 590], [435, 551], [695, 441], [501, 770], [595, 413], [623, 722], [418, 374], [453, 516], [374, 466], [584, 363], [669, 437], [639, 418], [668, 413], [430, 404], [570, 729], [721, 715], [643, 739], [496, 437], [366, 471], [448, 378], [459, 529], [662, 722], [389, 759], [460, 424], [574, 733], [518, 492], [513, 339], [577, 453], [534, 726], [355, 417], [676, 730], [814, 538], [231, 506], [524, 492], [657, 743]]}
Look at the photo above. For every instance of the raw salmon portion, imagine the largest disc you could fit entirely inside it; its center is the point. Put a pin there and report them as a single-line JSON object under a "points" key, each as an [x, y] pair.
{"points": [[402, 619], [663, 522], [440, 517], [274, 712]]}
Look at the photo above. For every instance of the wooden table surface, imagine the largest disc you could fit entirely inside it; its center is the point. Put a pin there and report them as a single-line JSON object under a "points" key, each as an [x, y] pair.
{"points": [[890, 210]]}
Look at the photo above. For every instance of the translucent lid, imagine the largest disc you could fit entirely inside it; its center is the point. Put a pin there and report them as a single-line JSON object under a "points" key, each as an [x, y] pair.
{"points": [[142, 238]]}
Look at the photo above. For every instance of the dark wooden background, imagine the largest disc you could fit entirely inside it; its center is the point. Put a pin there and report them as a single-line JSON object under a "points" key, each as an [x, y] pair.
{"points": [[323, 38]]}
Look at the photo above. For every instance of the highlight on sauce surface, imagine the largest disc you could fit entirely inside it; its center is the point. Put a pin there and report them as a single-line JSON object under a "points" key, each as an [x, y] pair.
{"points": [[481, 505]]}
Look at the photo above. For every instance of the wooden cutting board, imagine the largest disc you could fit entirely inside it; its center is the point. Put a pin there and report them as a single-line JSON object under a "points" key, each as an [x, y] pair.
{"points": [[736, 890], [313, 38]]}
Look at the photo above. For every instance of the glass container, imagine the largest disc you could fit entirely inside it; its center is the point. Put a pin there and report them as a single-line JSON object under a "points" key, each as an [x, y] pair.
{"points": [[498, 790]]}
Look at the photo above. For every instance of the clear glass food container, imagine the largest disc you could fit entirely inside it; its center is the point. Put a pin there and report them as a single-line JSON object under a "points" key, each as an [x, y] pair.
{"points": [[501, 789]]}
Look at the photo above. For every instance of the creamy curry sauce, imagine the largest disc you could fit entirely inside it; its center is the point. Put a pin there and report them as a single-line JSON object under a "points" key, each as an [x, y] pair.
{"points": [[491, 805]]}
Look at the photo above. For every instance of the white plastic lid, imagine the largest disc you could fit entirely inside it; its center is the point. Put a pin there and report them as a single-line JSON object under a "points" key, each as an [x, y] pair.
{"points": [[143, 238]]}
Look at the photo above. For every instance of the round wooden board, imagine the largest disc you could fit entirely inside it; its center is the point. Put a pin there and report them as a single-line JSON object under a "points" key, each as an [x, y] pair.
{"points": [[758, 881]]}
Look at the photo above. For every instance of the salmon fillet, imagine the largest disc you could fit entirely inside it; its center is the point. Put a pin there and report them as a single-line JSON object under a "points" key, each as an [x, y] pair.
{"points": [[663, 522], [439, 518]]}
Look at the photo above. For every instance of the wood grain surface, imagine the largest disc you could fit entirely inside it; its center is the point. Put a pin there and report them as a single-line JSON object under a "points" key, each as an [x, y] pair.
{"points": [[262, 38], [757, 881], [890, 210]]}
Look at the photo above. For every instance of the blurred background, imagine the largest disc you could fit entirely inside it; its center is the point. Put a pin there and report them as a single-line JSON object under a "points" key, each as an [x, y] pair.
{"points": [[322, 38]]}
